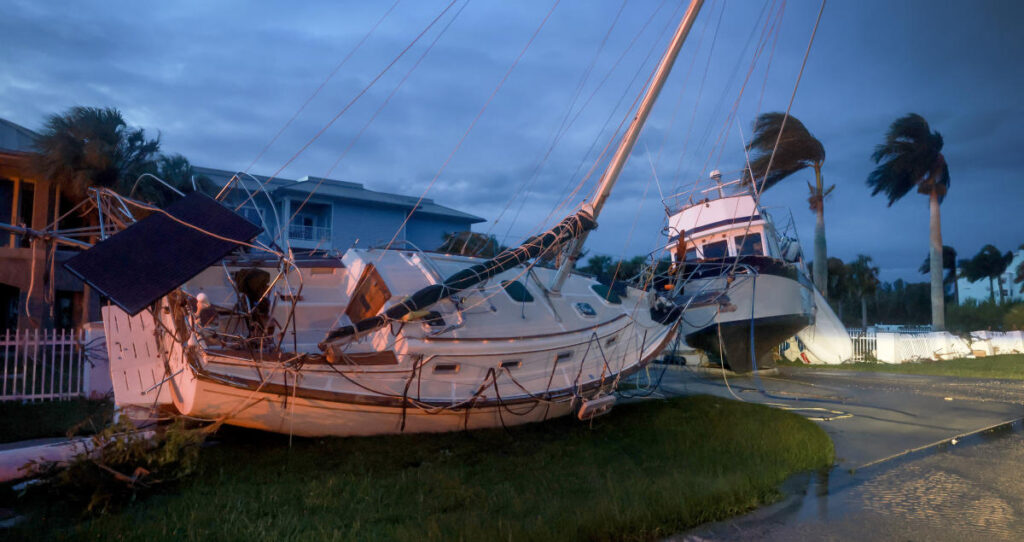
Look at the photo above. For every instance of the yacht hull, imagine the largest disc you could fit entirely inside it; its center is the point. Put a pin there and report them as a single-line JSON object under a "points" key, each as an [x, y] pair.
{"points": [[742, 320]]}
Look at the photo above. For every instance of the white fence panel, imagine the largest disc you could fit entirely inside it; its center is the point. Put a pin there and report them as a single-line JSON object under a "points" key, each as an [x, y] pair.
{"points": [[43, 364], [865, 344]]}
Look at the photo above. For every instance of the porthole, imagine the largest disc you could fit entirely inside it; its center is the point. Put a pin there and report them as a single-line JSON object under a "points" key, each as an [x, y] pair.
{"points": [[446, 368]]}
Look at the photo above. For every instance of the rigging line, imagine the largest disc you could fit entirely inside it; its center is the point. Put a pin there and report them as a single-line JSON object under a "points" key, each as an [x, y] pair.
{"points": [[682, 92], [383, 104], [655, 46], [723, 134], [626, 117], [792, 97], [729, 81], [197, 228], [357, 96], [579, 112], [677, 176], [611, 115], [762, 44], [714, 113], [629, 238], [479, 114], [314, 95], [564, 127], [771, 55], [654, 171]]}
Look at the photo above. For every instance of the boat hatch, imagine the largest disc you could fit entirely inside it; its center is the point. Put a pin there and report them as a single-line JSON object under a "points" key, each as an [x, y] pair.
{"points": [[370, 295]]}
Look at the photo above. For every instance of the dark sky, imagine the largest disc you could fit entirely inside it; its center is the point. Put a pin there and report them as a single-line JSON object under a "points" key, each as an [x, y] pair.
{"points": [[218, 80]]}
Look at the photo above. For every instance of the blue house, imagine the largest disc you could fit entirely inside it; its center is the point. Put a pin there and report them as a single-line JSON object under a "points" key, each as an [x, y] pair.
{"points": [[327, 214]]}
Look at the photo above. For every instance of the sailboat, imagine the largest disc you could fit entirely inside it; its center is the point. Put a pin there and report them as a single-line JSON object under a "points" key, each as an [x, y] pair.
{"points": [[380, 341], [743, 288]]}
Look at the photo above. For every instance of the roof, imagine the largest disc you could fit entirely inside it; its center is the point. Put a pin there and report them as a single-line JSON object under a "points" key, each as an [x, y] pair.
{"points": [[340, 190], [16, 138], [220, 177]]}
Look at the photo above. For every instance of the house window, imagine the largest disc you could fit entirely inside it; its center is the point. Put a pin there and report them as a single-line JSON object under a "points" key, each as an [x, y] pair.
{"points": [[311, 223], [7, 208]]}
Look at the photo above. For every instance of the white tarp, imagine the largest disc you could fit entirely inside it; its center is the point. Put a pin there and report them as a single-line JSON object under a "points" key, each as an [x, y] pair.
{"points": [[824, 342]]}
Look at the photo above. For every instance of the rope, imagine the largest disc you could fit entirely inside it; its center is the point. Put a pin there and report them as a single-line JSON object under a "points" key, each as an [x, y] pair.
{"points": [[792, 97], [472, 124]]}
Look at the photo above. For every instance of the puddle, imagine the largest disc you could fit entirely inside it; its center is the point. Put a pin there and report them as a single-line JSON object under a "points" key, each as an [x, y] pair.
{"points": [[973, 490]]}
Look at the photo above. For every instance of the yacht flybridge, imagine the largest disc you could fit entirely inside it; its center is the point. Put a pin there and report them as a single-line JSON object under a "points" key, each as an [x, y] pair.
{"points": [[744, 289]]}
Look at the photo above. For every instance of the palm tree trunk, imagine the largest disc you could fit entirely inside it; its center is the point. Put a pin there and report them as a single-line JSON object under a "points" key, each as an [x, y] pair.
{"points": [[864, 312], [991, 291], [820, 252], [935, 257], [820, 257]]}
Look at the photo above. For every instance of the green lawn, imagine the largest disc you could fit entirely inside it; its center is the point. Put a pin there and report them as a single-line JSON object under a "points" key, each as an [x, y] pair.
{"points": [[1005, 366], [643, 472], [52, 418]]}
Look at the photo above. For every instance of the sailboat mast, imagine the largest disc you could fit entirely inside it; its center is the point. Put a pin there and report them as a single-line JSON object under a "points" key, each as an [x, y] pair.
{"points": [[611, 174]]}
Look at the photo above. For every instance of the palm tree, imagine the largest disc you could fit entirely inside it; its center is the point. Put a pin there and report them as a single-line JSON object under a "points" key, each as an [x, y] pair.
{"points": [[910, 157], [991, 264], [91, 146], [776, 158], [838, 283], [864, 282], [1019, 277], [949, 266]]}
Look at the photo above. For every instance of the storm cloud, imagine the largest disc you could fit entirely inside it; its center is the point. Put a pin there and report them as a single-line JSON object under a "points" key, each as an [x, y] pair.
{"points": [[218, 80]]}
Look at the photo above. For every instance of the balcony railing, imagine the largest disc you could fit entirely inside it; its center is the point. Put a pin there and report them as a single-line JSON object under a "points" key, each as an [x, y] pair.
{"points": [[309, 233]]}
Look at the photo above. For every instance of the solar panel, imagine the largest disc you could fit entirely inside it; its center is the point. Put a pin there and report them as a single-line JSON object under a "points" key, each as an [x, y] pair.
{"points": [[157, 254]]}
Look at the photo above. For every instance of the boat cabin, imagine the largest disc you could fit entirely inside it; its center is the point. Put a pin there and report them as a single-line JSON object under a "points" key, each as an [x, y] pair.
{"points": [[714, 229]]}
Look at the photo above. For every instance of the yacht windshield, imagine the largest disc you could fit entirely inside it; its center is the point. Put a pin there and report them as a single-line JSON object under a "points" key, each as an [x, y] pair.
{"points": [[719, 249], [749, 245]]}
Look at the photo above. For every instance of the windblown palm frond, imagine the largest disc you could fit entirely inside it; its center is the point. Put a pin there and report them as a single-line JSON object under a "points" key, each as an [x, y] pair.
{"points": [[796, 150], [89, 146], [910, 157]]}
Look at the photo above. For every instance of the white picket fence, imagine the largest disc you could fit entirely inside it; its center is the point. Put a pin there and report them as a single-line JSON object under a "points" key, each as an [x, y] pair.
{"points": [[43, 364], [865, 344]]}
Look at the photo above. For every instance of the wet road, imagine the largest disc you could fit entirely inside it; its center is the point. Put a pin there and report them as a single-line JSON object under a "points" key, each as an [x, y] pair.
{"points": [[914, 461]]}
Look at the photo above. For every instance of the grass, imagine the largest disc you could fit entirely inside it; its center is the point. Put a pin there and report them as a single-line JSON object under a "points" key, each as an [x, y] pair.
{"points": [[643, 472], [52, 418], [1009, 366]]}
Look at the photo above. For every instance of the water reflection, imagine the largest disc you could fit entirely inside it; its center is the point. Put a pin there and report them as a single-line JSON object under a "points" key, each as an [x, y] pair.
{"points": [[971, 490]]}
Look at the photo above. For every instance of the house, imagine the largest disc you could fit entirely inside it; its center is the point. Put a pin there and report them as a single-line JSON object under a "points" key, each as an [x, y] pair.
{"points": [[331, 215], [318, 215], [56, 300]]}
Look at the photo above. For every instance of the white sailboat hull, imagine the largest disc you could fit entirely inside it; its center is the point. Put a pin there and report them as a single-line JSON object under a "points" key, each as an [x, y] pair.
{"points": [[512, 364]]}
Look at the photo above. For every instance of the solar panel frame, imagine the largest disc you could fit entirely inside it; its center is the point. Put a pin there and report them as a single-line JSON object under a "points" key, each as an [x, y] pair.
{"points": [[157, 254]]}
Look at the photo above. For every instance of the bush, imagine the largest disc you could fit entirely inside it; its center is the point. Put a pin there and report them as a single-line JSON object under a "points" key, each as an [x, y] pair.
{"points": [[974, 316], [1014, 318], [123, 464]]}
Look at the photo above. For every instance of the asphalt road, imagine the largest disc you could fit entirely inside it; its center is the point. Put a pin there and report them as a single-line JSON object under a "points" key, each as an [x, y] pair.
{"points": [[917, 457]]}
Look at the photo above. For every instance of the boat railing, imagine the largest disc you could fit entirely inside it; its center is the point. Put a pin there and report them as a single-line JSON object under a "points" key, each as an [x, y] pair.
{"points": [[704, 191]]}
